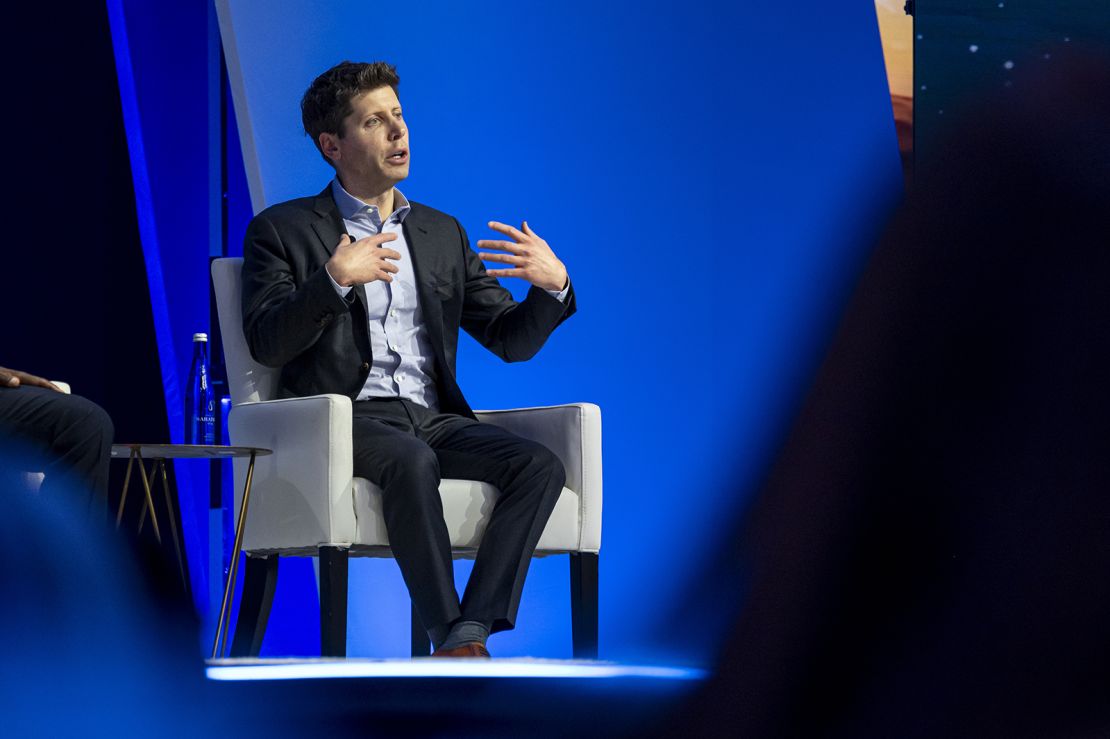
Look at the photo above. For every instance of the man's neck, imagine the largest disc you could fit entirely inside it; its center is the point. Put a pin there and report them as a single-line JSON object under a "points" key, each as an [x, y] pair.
{"points": [[372, 196]]}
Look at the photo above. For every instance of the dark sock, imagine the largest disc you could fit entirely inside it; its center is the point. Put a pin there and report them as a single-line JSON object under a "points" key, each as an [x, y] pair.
{"points": [[466, 632]]}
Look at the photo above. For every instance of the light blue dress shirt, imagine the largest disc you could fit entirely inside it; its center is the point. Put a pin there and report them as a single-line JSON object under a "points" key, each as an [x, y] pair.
{"points": [[403, 358]]}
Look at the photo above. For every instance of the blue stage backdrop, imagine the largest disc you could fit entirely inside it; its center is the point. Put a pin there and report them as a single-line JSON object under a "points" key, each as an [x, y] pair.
{"points": [[710, 173], [160, 54]]}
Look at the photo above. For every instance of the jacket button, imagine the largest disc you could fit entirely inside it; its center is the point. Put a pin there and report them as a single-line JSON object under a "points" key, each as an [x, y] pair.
{"points": [[365, 366]]}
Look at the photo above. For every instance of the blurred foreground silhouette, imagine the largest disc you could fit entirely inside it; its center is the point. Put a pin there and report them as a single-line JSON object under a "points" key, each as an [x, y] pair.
{"points": [[930, 555]]}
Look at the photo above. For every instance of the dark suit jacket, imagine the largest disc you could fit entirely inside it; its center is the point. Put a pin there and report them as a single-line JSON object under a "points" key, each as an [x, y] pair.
{"points": [[294, 319]]}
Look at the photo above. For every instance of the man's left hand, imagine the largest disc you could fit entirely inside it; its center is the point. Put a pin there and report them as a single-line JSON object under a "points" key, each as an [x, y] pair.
{"points": [[15, 378], [530, 256]]}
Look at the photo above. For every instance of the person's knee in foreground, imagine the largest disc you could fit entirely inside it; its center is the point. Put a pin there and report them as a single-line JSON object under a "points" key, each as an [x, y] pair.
{"points": [[68, 437]]}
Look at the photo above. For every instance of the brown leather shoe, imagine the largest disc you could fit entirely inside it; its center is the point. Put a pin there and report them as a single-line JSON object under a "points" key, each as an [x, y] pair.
{"points": [[470, 649]]}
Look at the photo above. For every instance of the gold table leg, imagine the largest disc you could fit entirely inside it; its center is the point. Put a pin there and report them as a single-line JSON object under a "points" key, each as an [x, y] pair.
{"points": [[149, 500], [219, 645], [135, 456], [161, 468], [126, 484]]}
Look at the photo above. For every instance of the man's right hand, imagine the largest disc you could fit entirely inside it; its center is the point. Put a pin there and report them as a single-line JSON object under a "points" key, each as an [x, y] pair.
{"points": [[15, 378], [362, 261]]}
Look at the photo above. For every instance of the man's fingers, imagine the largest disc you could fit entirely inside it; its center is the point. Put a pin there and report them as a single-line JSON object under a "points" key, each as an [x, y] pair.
{"points": [[36, 381], [508, 230], [502, 258], [389, 253], [376, 239], [344, 240], [508, 246], [389, 267], [15, 378], [516, 272], [527, 229]]}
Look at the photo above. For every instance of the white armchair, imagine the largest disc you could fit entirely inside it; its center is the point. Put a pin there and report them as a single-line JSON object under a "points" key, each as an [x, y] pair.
{"points": [[305, 500]]}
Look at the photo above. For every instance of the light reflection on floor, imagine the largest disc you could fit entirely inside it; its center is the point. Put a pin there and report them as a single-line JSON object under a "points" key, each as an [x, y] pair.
{"points": [[302, 669]]}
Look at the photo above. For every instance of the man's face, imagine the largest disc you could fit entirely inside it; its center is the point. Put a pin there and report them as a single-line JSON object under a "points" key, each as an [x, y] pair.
{"points": [[373, 152]]}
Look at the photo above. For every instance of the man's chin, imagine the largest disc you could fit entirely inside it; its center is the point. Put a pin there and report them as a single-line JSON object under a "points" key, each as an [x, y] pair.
{"points": [[394, 175]]}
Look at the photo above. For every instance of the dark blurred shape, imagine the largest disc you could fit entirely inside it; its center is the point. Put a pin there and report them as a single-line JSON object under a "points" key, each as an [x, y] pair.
{"points": [[87, 652], [931, 552]]}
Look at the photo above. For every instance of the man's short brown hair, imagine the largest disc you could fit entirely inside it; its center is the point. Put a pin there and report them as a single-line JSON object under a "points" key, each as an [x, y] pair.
{"points": [[327, 101]]}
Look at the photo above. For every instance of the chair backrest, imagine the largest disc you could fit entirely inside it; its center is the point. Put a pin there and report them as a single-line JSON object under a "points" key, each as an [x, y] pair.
{"points": [[247, 380]]}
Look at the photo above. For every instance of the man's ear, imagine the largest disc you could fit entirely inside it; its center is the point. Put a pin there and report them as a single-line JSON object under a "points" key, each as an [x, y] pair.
{"points": [[329, 145]]}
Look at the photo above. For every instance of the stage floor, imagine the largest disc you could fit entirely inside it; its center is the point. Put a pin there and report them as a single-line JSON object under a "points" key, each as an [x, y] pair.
{"points": [[451, 697]]}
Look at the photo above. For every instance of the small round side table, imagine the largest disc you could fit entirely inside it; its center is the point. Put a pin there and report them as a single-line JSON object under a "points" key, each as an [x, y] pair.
{"points": [[158, 454]]}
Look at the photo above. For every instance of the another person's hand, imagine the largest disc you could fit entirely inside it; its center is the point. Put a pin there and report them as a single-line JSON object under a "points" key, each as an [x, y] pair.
{"points": [[15, 378], [530, 256], [362, 261]]}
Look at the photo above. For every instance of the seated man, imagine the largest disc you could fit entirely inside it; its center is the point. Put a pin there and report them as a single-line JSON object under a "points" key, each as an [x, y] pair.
{"points": [[68, 437], [326, 300]]}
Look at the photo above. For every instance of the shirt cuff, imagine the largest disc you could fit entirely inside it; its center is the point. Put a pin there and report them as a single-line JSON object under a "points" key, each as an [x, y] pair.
{"points": [[339, 288], [560, 295]]}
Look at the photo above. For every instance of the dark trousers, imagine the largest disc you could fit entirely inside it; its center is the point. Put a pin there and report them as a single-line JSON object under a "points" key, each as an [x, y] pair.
{"points": [[66, 437], [406, 449]]}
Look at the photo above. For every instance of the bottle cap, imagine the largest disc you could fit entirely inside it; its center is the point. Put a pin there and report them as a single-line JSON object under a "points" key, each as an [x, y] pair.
{"points": [[200, 337]]}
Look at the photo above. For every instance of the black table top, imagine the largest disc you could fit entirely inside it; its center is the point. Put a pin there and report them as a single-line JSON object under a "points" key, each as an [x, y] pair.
{"points": [[187, 451]]}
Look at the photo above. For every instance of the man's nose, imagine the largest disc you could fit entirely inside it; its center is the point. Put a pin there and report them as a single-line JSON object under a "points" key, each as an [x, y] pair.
{"points": [[398, 132]]}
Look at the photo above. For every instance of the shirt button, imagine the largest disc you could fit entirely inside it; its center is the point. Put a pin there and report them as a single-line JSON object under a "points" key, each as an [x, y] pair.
{"points": [[365, 366], [393, 347], [393, 312]]}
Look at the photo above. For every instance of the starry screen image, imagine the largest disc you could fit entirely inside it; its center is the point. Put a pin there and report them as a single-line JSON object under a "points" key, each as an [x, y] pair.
{"points": [[967, 49]]}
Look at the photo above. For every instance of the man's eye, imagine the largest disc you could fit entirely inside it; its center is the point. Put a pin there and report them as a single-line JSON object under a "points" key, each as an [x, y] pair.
{"points": [[372, 122]]}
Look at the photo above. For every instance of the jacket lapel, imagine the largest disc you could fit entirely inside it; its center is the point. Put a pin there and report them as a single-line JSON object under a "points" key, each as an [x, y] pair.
{"points": [[422, 250], [329, 228]]}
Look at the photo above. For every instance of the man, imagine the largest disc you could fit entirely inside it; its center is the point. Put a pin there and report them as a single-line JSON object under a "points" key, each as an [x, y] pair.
{"points": [[362, 292], [68, 438]]}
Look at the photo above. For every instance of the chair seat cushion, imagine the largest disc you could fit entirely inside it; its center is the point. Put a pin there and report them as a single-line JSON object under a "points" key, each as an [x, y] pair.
{"points": [[467, 505]]}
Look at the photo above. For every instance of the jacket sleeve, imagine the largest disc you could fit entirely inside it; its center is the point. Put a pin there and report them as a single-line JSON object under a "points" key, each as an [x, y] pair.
{"points": [[282, 319], [511, 330]]}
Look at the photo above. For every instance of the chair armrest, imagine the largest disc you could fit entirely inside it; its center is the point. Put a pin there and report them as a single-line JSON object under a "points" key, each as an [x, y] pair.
{"points": [[301, 496], [573, 433]]}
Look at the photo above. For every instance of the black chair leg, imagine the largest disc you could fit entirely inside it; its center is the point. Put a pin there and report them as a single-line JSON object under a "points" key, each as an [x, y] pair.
{"points": [[583, 604], [259, 583], [421, 644], [333, 602]]}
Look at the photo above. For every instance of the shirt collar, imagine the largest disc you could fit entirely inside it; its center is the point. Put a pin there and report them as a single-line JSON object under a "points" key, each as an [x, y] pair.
{"points": [[350, 206]]}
